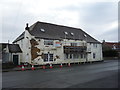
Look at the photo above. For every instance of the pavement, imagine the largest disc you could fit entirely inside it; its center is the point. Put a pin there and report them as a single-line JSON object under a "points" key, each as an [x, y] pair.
{"points": [[19, 68], [94, 75]]}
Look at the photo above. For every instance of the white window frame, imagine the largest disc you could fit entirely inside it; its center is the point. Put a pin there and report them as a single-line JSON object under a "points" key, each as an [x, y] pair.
{"points": [[74, 44], [46, 42]]}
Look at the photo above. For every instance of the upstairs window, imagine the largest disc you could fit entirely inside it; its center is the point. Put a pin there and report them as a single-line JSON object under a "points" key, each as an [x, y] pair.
{"points": [[95, 45], [73, 44], [48, 42]]}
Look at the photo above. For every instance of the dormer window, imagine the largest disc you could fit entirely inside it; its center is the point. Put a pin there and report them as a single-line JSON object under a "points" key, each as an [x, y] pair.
{"points": [[42, 30], [66, 33], [85, 35], [72, 33]]}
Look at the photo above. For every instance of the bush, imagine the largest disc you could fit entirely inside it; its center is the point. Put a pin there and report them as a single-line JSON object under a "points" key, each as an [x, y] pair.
{"points": [[8, 65], [110, 53]]}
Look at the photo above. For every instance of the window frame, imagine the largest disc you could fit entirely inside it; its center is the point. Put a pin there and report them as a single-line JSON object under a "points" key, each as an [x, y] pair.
{"points": [[94, 55], [48, 57], [48, 42], [74, 44]]}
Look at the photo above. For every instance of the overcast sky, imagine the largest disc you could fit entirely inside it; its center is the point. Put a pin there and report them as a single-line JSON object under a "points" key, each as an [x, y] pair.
{"points": [[99, 18]]}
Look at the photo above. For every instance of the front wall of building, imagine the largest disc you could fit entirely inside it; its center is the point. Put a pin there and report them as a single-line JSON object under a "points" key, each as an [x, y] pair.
{"points": [[25, 47], [37, 52], [58, 52], [95, 50], [19, 57]]}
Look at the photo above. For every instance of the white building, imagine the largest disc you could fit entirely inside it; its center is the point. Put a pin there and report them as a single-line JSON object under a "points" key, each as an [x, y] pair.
{"points": [[44, 43], [11, 53]]}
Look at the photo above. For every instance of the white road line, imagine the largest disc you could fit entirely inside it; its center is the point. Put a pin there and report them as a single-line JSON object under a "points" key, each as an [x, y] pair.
{"points": [[59, 70]]}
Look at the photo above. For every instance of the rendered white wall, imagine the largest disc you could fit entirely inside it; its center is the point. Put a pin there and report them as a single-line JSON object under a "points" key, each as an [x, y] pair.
{"points": [[26, 48]]}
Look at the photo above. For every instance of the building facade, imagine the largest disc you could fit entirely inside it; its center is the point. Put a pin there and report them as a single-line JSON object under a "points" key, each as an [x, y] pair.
{"points": [[115, 46], [44, 43], [11, 53]]}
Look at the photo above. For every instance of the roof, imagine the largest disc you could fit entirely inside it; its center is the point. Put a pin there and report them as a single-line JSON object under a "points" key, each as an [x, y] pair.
{"points": [[13, 48], [53, 31], [111, 44], [20, 37]]}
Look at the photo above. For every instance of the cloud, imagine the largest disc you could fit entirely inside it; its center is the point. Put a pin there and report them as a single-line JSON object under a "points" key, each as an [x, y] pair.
{"points": [[111, 35], [97, 17]]}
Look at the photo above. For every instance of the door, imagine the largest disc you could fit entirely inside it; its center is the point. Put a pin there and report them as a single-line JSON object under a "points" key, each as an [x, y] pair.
{"points": [[15, 59], [48, 57]]}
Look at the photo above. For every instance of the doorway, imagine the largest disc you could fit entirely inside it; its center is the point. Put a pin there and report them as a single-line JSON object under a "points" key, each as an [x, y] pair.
{"points": [[15, 59]]}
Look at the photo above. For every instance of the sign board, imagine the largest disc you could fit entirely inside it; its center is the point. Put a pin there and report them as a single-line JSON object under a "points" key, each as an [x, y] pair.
{"points": [[57, 44]]}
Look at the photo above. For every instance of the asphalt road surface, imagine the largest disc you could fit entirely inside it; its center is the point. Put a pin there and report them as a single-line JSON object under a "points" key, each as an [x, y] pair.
{"points": [[95, 75]]}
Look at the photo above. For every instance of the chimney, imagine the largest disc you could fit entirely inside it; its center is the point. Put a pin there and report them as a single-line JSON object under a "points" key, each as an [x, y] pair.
{"points": [[26, 28], [8, 41]]}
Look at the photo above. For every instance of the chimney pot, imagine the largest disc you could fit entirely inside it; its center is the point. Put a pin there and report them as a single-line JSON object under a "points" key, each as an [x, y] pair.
{"points": [[27, 28], [26, 24]]}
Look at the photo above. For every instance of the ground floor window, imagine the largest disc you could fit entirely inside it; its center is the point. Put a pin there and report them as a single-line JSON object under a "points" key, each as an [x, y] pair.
{"points": [[70, 56], [81, 55], [66, 56], [94, 55], [48, 57], [74, 56]]}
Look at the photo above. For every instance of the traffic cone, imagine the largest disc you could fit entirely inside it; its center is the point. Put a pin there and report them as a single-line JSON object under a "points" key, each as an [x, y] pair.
{"points": [[51, 66], [69, 64], [33, 68], [43, 67], [23, 68], [61, 65]]}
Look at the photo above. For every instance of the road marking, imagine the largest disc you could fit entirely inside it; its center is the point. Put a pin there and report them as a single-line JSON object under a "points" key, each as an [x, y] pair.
{"points": [[59, 70]]}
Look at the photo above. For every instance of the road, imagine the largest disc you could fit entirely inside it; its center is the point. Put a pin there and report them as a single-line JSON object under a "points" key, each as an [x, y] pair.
{"points": [[0, 73], [95, 75]]}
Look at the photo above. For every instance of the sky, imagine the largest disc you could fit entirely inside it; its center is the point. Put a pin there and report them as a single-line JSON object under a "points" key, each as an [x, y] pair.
{"points": [[98, 18]]}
